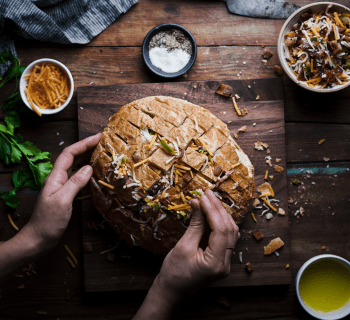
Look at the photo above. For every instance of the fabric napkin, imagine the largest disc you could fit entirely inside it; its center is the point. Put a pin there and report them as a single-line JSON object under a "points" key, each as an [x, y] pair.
{"points": [[59, 21]]}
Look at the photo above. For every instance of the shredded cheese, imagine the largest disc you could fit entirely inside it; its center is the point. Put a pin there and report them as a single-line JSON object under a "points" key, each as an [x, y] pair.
{"points": [[205, 147], [266, 174], [236, 107], [12, 223], [106, 184], [141, 162], [153, 141], [269, 205]]}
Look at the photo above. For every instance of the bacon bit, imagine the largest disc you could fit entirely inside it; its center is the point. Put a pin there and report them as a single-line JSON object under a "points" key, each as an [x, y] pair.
{"points": [[205, 147], [257, 97], [106, 184], [84, 197], [43, 313], [266, 174], [278, 168], [269, 205], [236, 107], [71, 254], [224, 90], [242, 129], [153, 141], [71, 262], [253, 216], [182, 167], [257, 235], [321, 141], [12, 223], [180, 207], [141, 162], [287, 266]]}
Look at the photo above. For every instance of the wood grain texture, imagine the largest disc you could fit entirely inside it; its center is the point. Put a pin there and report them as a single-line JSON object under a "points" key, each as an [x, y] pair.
{"points": [[97, 104]]}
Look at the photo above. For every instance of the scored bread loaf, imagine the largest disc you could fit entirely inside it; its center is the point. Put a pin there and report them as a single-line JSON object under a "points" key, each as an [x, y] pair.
{"points": [[154, 156]]}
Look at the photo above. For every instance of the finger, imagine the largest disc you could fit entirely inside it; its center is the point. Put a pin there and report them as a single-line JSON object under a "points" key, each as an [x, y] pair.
{"points": [[195, 230], [66, 158], [59, 174], [72, 187], [218, 237], [230, 227]]}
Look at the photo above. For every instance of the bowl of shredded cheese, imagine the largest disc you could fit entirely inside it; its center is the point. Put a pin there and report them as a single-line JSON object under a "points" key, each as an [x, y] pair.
{"points": [[314, 47], [46, 86]]}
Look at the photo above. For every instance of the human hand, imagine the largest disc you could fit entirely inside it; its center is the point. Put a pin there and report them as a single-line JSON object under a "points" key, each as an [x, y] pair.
{"points": [[53, 209], [187, 268]]}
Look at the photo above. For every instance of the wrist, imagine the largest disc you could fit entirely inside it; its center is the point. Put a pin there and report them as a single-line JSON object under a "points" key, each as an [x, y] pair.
{"points": [[158, 304]]}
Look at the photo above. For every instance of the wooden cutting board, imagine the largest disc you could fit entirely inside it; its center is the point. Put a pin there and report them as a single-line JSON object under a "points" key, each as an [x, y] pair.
{"points": [[135, 268]]}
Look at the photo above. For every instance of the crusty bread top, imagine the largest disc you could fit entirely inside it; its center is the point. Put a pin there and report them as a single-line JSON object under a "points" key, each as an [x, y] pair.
{"points": [[137, 201]]}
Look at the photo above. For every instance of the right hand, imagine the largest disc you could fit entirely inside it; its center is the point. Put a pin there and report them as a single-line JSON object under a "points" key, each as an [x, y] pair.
{"points": [[187, 268]]}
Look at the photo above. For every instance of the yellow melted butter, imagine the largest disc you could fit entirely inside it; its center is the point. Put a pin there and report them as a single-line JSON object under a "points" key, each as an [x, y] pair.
{"points": [[325, 285]]}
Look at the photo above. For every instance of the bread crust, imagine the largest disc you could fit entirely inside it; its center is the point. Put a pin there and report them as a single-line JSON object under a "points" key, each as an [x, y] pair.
{"points": [[139, 201]]}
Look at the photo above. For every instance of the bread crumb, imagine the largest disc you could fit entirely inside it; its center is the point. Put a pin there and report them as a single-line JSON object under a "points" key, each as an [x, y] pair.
{"points": [[274, 245], [242, 129], [278, 168], [257, 97], [281, 212], [260, 145], [278, 160]]}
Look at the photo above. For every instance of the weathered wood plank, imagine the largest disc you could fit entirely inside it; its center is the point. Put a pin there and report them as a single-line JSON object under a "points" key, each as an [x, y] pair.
{"points": [[209, 21]]}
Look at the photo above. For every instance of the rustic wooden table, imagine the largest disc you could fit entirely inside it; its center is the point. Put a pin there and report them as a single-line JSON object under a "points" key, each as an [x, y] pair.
{"points": [[224, 42]]}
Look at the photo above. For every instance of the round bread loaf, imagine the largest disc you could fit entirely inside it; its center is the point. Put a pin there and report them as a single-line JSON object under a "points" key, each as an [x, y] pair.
{"points": [[155, 155]]}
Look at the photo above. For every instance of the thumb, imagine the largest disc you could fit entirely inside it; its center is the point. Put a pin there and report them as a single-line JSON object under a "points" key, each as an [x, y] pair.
{"points": [[195, 230], [76, 182]]}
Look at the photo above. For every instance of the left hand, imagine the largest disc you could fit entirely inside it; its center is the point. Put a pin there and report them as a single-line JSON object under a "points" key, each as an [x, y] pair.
{"points": [[53, 209]]}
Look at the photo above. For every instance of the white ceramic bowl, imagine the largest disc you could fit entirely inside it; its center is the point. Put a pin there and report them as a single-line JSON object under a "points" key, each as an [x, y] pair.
{"points": [[334, 315], [23, 84], [287, 27]]}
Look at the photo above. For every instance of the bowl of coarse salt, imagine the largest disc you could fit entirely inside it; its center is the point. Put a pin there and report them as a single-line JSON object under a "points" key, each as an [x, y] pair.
{"points": [[169, 50]]}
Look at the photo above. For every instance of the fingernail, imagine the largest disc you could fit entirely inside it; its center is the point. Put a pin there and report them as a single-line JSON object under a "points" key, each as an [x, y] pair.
{"points": [[86, 170]]}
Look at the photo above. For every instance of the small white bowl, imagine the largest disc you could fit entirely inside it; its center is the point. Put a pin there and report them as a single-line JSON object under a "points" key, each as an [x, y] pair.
{"points": [[333, 315], [287, 27], [23, 84]]}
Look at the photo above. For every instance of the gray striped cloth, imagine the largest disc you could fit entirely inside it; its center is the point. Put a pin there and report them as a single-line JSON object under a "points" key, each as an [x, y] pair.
{"points": [[60, 21]]}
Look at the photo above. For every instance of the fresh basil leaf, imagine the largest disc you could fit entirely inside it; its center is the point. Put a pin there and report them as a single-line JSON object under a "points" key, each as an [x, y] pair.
{"points": [[10, 198], [23, 179]]}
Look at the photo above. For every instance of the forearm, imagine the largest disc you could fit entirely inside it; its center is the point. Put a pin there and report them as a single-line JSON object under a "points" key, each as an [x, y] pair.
{"points": [[158, 304], [19, 250]]}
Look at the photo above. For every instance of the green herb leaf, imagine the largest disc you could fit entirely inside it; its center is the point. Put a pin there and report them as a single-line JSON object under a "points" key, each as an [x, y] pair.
{"points": [[296, 182], [23, 179], [10, 198], [29, 149], [12, 103], [40, 171], [16, 154], [41, 156], [12, 122]]}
